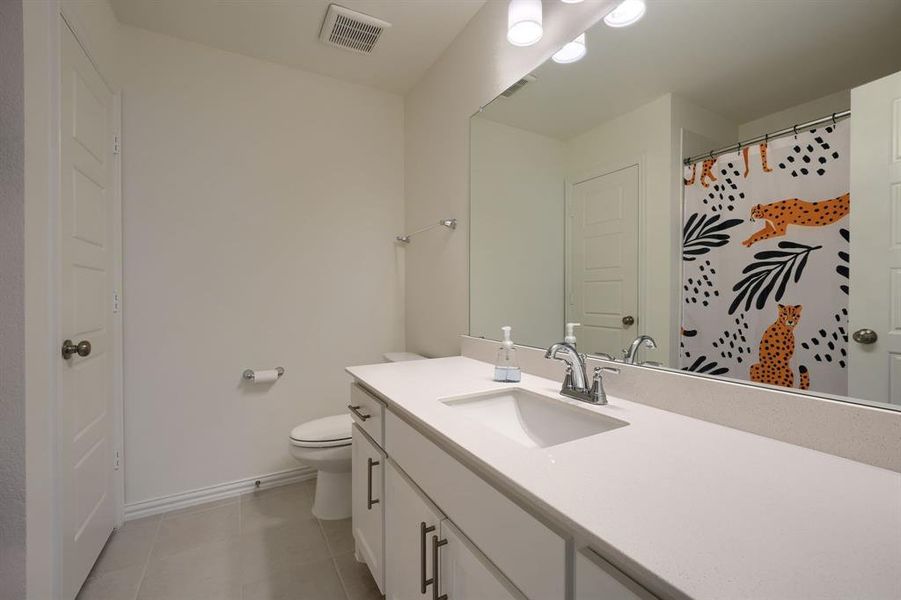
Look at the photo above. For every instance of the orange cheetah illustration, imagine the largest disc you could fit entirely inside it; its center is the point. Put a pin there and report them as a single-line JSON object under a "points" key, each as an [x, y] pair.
{"points": [[694, 171], [776, 349], [707, 174], [779, 215], [763, 161]]}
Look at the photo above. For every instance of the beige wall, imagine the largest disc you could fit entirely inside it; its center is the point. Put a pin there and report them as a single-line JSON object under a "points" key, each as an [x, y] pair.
{"points": [[260, 207], [12, 304], [516, 262], [472, 71], [808, 111]]}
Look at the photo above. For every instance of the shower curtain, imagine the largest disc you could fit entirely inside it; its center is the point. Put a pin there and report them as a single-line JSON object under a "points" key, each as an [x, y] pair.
{"points": [[765, 262]]}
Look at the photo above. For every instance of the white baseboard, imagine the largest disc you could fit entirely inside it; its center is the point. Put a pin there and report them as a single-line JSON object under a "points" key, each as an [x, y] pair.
{"points": [[220, 491]]}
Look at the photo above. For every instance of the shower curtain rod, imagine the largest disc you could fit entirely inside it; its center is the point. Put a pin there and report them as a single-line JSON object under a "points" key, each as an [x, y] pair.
{"points": [[793, 130]]}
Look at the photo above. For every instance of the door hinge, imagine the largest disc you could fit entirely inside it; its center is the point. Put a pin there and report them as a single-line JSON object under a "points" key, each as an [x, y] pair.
{"points": [[116, 461], [116, 144], [115, 301]]}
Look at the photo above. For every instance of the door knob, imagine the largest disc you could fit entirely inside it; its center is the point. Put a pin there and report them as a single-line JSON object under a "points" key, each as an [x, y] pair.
{"points": [[82, 348], [628, 320], [865, 336]]}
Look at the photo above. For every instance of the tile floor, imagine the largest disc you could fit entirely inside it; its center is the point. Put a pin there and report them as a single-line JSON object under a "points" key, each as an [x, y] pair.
{"points": [[265, 545]]}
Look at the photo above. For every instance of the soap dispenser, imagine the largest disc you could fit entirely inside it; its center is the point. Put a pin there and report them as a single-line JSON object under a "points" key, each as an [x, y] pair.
{"points": [[506, 368], [570, 334]]}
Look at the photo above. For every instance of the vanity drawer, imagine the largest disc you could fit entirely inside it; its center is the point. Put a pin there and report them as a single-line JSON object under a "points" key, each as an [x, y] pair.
{"points": [[532, 556], [368, 413]]}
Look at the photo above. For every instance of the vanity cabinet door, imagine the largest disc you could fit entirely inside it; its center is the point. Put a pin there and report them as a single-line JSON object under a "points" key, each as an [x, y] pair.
{"points": [[368, 504], [410, 522], [596, 579], [464, 573]]}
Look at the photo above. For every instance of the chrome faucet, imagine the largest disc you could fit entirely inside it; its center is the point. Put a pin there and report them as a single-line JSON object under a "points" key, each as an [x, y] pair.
{"points": [[575, 383], [575, 362], [631, 352]]}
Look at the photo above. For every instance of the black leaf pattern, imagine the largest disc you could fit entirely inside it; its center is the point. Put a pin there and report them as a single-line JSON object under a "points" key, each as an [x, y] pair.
{"points": [[772, 271], [844, 269], [701, 233], [701, 365]]}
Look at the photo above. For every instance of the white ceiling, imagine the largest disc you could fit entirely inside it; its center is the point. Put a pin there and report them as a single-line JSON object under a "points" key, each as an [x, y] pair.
{"points": [[287, 32], [742, 59]]}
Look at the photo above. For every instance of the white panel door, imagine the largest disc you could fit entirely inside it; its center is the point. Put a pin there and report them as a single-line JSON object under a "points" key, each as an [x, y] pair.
{"points": [[874, 369], [603, 261], [87, 505], [368, 504], [466, 574], [410, 521]]}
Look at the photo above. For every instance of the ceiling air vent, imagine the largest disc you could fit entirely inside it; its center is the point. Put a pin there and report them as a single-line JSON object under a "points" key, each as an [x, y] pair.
{"points": [[518, 85], [351, 30]]}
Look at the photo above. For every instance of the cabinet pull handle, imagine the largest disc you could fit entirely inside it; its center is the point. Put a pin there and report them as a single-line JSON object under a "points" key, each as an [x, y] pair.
{"points": [[436, 543], [369, 501], [423, 530], [356, 410]]}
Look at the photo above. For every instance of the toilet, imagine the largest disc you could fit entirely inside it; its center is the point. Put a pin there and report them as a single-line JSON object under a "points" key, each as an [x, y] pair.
{"points": [[324, 444]]}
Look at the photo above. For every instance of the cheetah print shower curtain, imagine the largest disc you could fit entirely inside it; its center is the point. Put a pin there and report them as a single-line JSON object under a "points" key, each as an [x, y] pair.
{"points": [[765, 262]]}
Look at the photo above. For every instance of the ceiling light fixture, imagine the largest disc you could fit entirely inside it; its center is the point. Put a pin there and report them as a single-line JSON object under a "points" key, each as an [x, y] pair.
{"points": [[571, 52], [524, 22], [626, 13]]}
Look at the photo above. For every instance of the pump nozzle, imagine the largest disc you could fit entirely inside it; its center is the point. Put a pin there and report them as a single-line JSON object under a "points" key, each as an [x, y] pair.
{"points": [[508, 341], [570, 335]]}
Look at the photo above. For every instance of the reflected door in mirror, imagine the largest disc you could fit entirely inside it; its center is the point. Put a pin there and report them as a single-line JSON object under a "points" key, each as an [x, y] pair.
{"points": [[603, 251], [875, 364]]}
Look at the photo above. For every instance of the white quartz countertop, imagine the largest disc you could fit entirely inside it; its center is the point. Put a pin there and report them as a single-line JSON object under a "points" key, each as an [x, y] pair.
{"points": [[689, 508]]}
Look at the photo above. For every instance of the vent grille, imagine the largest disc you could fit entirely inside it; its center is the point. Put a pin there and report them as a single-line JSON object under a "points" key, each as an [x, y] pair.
{"points": [[518, 85], [351, 30]]}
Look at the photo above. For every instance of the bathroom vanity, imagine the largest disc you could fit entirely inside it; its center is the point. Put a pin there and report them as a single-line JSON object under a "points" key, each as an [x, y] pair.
{"points": [[467, 488]]}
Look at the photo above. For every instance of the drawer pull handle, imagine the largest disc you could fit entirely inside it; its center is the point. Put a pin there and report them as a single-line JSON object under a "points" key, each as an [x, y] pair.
{"points": [[423, 530], [356, 410], [369, 501], [436, 543]]}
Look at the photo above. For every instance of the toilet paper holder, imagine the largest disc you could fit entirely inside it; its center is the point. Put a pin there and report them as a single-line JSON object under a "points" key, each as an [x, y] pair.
{"points": [[248, 374]]}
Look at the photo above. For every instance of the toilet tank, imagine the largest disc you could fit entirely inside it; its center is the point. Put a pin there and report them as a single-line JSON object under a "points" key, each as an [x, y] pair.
{"points": [[401, 356]]}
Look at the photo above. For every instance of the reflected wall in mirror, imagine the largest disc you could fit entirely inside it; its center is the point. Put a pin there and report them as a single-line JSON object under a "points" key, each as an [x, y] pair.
{"points": [[723, 177]]}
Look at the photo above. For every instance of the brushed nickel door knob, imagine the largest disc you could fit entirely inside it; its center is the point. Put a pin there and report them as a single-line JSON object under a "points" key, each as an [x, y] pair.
{"points": [[82, 348], [865, 336], [628, 320]]}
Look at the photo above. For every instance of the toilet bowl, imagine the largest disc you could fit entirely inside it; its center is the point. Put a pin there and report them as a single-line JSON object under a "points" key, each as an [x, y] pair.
{"points": [[325, 445]]}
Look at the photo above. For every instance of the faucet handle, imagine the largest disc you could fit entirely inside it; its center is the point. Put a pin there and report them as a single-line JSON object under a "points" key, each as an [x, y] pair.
{"points": [[599, 370], [605, 356], [597, 393]]}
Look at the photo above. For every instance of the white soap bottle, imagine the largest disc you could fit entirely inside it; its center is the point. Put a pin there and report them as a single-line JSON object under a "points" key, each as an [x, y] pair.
{"points": [[506, 368], [570, 337]]}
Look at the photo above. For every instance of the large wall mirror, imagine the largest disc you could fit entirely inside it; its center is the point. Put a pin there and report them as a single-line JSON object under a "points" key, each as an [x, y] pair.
{"points": [[724, 177]]}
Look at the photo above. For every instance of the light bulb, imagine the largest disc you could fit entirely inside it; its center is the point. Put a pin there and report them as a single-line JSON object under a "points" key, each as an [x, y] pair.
{"points": [[571, 52], [524, 22], [626, 13]]}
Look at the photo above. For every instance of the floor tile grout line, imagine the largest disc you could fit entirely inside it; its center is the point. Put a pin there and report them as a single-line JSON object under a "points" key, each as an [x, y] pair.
{"points": [[340, 578], [156, 534], [334, 560]]}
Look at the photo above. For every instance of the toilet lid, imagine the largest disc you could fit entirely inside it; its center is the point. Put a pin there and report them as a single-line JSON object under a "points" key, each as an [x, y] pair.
{"points": [[323, 433]]}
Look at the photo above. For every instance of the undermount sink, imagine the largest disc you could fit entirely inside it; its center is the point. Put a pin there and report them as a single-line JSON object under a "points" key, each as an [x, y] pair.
{"points": [[530, 419]]}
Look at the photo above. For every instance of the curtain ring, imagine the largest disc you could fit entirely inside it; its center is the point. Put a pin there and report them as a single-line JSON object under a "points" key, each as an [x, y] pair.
{"points": [[711, 155], [766, 139], [795, 129], [833, 119]]}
